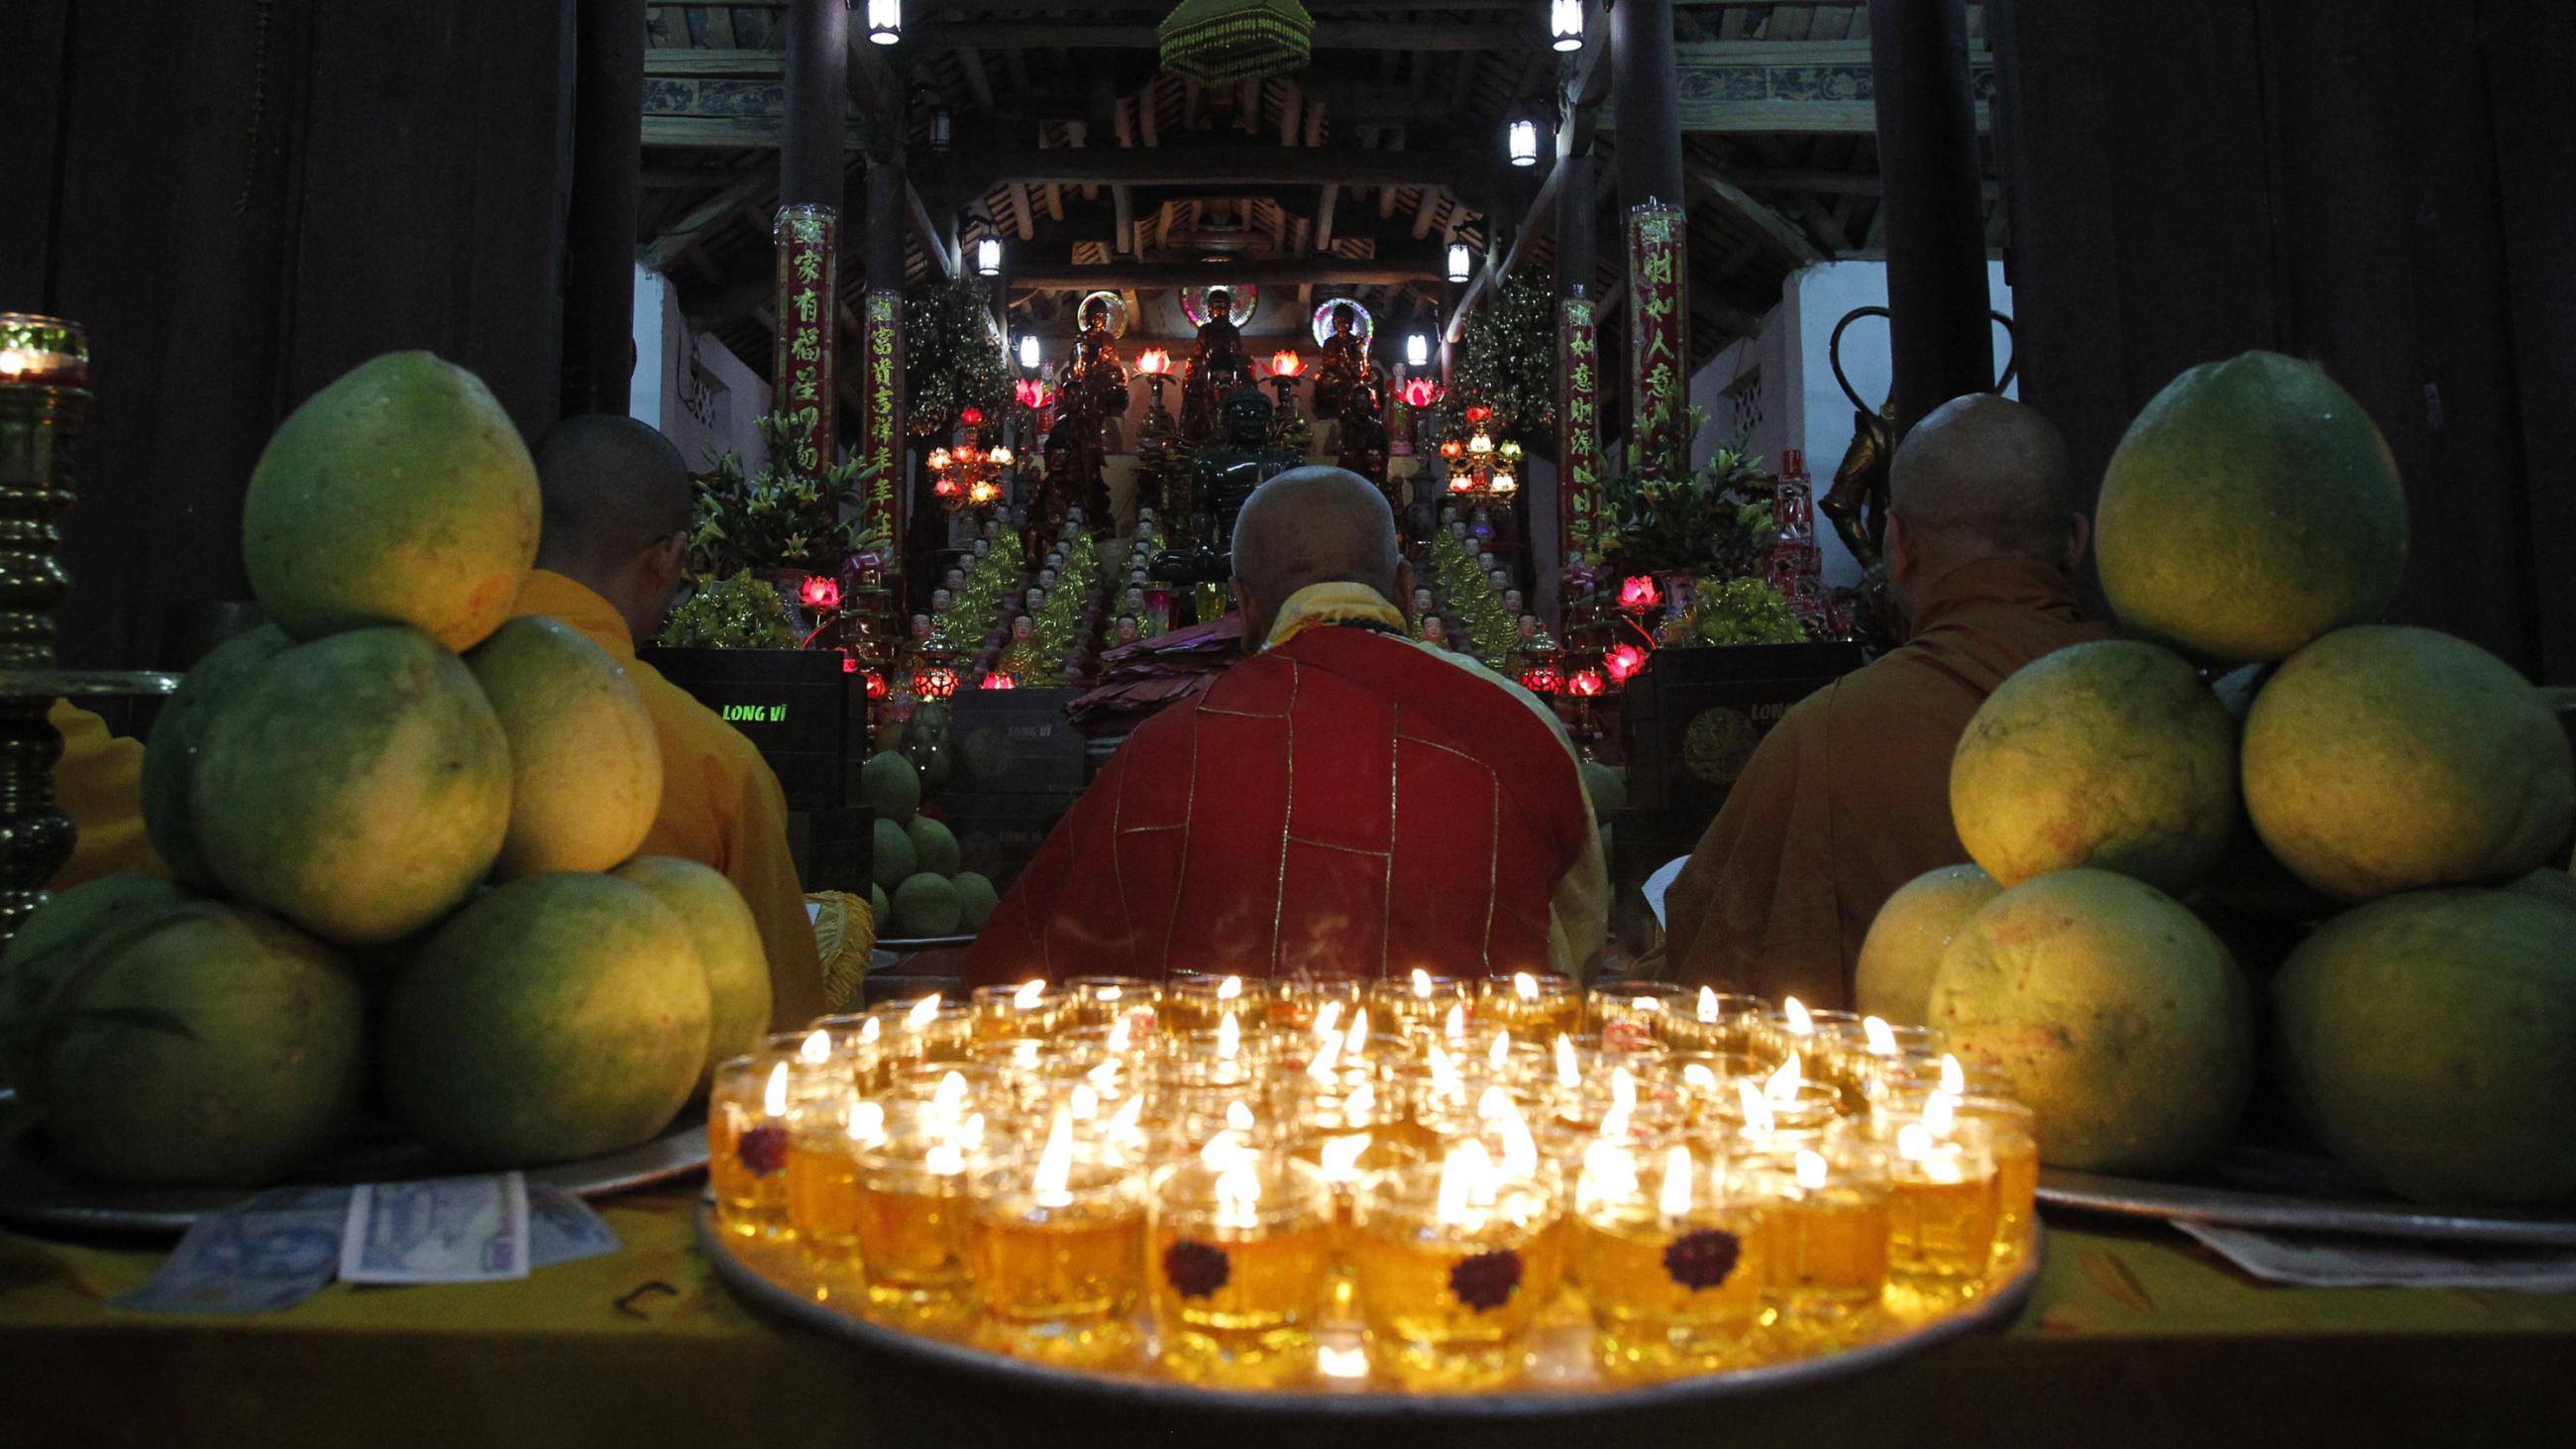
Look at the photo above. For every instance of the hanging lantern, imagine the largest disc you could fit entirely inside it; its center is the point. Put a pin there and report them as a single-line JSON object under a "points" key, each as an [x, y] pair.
{"points": [[1462, 261], [1565, 24], [1030, 356], [1520, 141], [1542, 679], [1226, 42], [988, 256], [885, 21], [1417, 349], [943, 130]]}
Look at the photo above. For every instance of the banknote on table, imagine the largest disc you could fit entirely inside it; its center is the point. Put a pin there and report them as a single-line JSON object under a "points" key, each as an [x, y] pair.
{"points": [[2312, 1261], [271, 1252], [561, 1228], [441, 1230]]}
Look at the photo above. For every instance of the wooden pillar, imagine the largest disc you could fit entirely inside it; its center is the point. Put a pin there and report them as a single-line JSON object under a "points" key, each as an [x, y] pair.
{"points": [[607, 162], [1643, 77], [1941, 341], [811, 179], [818, 88]]}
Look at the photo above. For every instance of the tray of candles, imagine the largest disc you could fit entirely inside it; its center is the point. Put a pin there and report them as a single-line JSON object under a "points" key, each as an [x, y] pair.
{"points": [[1284, 1207]]}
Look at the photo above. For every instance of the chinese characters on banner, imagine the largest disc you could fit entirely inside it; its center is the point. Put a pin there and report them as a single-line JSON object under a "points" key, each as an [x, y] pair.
{"points": [[1658, 350], [1578, 399], [807, 237], [882, 333]]}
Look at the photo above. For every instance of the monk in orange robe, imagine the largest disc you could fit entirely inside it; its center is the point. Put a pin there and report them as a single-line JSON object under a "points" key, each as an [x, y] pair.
{"points": [[1849, 796], [1344, 803], [608, 564]]}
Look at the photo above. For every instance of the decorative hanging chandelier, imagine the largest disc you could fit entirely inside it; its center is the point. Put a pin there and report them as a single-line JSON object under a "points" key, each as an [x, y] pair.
{"points": [[1222, 42], [968, 475]]}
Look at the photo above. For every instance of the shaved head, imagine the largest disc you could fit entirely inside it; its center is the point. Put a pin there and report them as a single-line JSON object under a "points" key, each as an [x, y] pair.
{"points": [[1315, 526], [613, 487], [1985, 475]]}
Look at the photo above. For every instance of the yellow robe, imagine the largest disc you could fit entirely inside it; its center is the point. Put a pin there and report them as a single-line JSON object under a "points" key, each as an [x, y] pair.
{"points": [[1849, 795], [99, 783], [721, 803]]}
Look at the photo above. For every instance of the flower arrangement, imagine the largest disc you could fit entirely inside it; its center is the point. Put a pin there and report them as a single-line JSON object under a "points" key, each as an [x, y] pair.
{"points": [[1745, 611], [1714, 523], [740, 612], [779, 519]]}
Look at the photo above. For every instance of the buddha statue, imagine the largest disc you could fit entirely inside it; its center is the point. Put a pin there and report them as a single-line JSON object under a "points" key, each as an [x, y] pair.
{"points": [[1217, 367]]}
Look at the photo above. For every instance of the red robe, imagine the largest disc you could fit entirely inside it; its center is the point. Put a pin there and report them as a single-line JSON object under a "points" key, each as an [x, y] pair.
{"points": [[1338, 805]]}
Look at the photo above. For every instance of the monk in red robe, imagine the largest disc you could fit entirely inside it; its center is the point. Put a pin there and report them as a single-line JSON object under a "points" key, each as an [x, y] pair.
{"points": [[1849, 795], [1345, 802]]}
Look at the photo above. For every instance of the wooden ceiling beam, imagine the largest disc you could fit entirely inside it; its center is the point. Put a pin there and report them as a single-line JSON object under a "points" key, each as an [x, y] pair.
{"points": [[1542, 210], [1792, 238], [659, 253], [1279, 272], [1452, 37], [1240, 165]]}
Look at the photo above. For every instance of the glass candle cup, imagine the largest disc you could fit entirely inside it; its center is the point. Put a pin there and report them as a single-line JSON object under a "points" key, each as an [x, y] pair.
{"points": [[1058, 1234], [1419, 1003], [1710, 1021], [1532, 1007], [1239, 1255], [923, 1030], [1107, 1000], [1299, 1003], [1942, 1206], [1773, 1035], [1449, 1257], [914, 1228], [748, 1108], [824, 1140], [1198, 1003], [1030, 1009], [1628, 1014], [1827, 1206], [1670, 1249], [2013, 1137]]}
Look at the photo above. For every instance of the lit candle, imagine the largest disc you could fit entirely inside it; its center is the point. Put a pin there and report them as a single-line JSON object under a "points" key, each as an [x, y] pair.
{"points": [[1057, 1242], [747, 1109], [1239, 1258], [1670, 1256], [1442, 1254], [1942, 1205], [1827, 1215]]}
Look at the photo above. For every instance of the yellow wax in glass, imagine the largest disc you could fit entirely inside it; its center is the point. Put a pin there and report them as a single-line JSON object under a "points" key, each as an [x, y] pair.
{"points": [[2016, 1196], [913, 1235], [1829, 1251], [1670, 1297], [1940, 1234], [1044, 1266], [750, 1181], [1240, 1305], [1445, 1310], [823, 1199]]}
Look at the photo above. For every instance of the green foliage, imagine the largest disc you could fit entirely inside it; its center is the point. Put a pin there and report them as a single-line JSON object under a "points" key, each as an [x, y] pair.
{"points": [[778, 518], [1507, 362], [952, 356], [741, 612], [1745, 611], [1716, 523]]}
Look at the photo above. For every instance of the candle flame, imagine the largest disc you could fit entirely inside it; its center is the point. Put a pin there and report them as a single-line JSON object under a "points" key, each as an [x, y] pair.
{"points": [[1811, 1169], [1238, 1196], [1650, 1003], [1499, 1055], [1520, 1149], [949, 1097], [1327, 1017], [1122, 1123], [1697, 1077], [1569, 1075], [1028, 996], [1524, 986], [1444, 1073], [1328, 1053], [1357, 1039], [1110, 993], [1783, 1084], [1492, 1104], [1882, 1038], [1758, 1121], [1421, 984], [870, 1030], [867, 1124], [1609, 1172], [1799, 1022], [1707, 1004], [1104, 1077], [1238, 1117], [1024, 1054], [1230, 988], [1913, 1142], [922, 1013], [1085, 1102], [815, 1049], [1454, 1025], [1122, 1033], [1940, 1114], [1467, 1184], [1229, 1037], [1360, 1103], [1224, 1150], [1623, 1089], [1954, 1078], [1341, 1157], [773, 1093], [1675, 1200], [1341, 1363], [1055, 1164]]}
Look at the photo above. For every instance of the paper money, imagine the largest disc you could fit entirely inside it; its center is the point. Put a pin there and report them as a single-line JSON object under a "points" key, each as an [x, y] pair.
{"points": [[443, 1230], [2345, 1262], [561, 1228], [271, 1252]]}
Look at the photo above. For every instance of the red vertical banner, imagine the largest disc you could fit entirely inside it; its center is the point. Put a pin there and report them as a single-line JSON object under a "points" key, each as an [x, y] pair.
{"points": [[881, 332], [1578, 427], [801, 392], [1659, 340]]}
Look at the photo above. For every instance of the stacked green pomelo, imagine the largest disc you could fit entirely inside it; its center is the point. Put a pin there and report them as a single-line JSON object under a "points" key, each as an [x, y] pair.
{"points": [[585, 765], [727, 937], [179, 735], [1902, 952]]}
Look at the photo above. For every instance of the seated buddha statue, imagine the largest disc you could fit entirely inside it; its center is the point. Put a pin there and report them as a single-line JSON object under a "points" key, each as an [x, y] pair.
{"points": [[1217, 367]]}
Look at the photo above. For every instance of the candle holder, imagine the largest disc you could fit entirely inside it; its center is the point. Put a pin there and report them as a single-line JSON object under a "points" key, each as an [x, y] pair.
{"points": [[1452, 1260], [824, 1140], [2012, 1136], [1670, 1249], [1419, 1003], [915, 1233], [747, 1136], [1532, 1007], [926, 1030], [1239, 1257], [1058, 1239], [1942, 1206], [1199, 1003], [1715, 1022], [1629, 1014], [1793, 1028], [1299, 1003], [1030, 1009], [1105, 1000], [1827, 1207]]}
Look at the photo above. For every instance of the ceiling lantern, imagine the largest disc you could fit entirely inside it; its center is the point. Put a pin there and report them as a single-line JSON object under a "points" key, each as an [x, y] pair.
{"points": [[1565, 24], [885, 21], [1521, 140], [1462, 261], [988, 256], [1223, 42]]}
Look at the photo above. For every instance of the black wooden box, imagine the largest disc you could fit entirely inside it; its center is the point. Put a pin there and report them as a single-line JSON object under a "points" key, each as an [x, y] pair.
{"points": [[1014, 742], [791, 703], [998, 834], [1693, 715]]}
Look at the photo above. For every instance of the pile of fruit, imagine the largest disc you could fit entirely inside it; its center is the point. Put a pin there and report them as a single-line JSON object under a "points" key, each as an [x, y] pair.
{"points": [[917, 889], [2264, 852], [403, 826]]}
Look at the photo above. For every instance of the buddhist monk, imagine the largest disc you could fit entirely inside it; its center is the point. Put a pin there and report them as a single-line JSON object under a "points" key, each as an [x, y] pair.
{"points": [[1342, 803], [608, 564], [1849, 796]]}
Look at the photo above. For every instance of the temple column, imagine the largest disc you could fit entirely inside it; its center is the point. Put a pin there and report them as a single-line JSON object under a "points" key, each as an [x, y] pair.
{"points": [[1941, 340], [607, 180], [807, 235]]}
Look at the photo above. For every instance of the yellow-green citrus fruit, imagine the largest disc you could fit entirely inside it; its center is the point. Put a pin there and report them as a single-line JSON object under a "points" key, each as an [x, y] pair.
{"points": [[585, 765], [1893, 977], [729, 951]]}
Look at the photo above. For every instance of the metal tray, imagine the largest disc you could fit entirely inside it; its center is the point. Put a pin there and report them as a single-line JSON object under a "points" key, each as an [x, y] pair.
{"points": [[958, 1389], [38, 1190], [2288, 1191]]}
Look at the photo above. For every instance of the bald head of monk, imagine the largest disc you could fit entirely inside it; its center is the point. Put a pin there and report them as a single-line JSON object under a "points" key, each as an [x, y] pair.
{"points": [[1980, 477], [1313, 526], [617, 499]]}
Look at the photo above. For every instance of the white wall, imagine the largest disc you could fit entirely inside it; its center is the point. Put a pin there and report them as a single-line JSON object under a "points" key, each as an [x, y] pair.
{"points": [[694, 389]]}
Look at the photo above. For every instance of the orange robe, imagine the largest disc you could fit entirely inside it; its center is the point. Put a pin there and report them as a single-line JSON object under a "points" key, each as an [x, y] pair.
{"points": [[721, 803], [99, 783], [1345, 803], [1849, 795]]}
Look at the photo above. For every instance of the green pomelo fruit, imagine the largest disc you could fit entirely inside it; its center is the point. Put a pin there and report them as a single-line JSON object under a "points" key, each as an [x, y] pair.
{"points": [[2111, 1011], [212, 1045], [890, 786], [878, 910], [2111, 755], [585, 765], [2250, 880], [358, 786], [926, 905], [1607, 788], [893, 860], [727, 937], [2430, 1041], [59, 936], [2250, 508], [179, 733], [1893, 977], [975, 900], [559, 1016], [934, 847], [2383, 759], [399, 494]]}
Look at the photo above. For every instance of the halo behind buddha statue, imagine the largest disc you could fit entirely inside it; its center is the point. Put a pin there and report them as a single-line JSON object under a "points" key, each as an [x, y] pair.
{"points": [[1364, 325], [1246, 297], [1117, 306]]}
